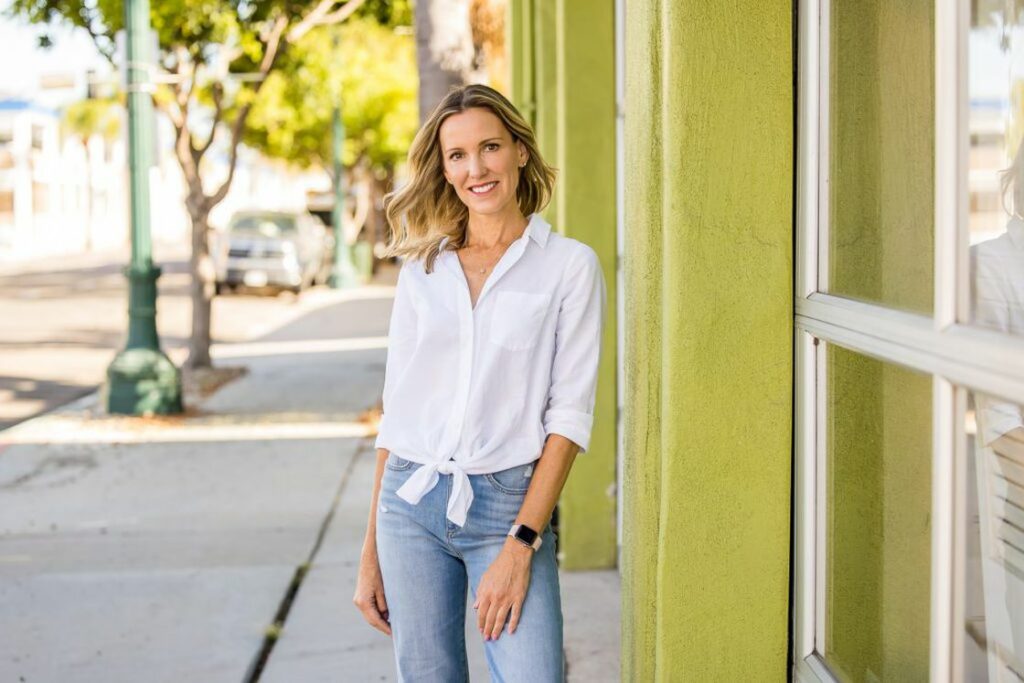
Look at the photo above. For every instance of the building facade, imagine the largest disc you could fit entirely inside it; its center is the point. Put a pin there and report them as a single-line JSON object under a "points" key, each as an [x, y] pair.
{"points": [[809, 427], [58, 195]]}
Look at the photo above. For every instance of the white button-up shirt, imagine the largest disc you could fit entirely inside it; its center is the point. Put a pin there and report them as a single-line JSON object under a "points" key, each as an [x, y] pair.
{"points": [[475, 390], [998, 296]]}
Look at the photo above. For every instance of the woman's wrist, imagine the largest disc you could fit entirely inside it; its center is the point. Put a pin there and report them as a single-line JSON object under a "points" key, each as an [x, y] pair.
{"points": [[518, 549]]}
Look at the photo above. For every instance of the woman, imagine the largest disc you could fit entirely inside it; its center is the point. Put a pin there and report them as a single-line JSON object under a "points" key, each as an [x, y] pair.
{"points": [[488, 397]]}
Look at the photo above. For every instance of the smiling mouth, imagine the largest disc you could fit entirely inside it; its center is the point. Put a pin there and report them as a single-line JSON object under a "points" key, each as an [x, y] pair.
{"points": [[483, 189]]}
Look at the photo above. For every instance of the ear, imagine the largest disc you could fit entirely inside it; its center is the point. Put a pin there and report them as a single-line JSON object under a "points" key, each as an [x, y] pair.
{"points": [[524, 155]]}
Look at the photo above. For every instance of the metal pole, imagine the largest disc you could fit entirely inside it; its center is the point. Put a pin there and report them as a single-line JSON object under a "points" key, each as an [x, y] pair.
{"points": [[141, 379], [343, 275]]}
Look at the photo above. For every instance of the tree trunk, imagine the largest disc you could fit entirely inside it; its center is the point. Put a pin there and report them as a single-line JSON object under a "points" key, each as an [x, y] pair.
{"points": [[90, 219], [201, 288], [444, 49]]}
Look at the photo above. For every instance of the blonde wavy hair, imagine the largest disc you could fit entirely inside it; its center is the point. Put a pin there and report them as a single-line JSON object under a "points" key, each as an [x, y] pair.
{"points": [[426, 210], [1011, 183]]}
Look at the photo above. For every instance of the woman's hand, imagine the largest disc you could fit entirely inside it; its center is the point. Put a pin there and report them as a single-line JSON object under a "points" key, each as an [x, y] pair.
{"points": [[369, 597], [502, 590]]}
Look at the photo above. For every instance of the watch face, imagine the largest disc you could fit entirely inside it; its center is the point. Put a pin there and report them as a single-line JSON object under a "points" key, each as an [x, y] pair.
{"points": [[526, 534]]}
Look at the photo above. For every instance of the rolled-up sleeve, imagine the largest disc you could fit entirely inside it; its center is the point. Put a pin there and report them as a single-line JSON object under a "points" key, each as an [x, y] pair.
{"points": [[401, 344], [570, 406]]}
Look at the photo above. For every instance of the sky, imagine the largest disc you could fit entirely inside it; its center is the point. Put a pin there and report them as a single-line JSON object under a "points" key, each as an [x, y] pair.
{"points": [[71, 55]]}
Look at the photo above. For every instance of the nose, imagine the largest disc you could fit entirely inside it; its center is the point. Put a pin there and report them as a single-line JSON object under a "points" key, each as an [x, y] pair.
{"points": [[476, 166]]}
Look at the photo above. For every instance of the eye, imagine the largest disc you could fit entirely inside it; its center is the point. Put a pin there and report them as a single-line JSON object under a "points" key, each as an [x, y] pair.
{"points": [[454, 155], [492, 145]]}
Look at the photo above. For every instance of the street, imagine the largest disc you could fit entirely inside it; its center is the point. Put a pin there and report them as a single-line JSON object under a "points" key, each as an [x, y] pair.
{"points": [[61, 324]]}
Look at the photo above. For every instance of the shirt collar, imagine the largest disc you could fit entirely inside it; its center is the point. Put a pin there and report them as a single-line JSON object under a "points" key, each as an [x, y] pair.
{"points": [[537, 229], [1015, 229]]}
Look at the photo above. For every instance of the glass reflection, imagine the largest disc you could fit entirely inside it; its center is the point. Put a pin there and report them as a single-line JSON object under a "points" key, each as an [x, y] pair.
{"points": [[994, 596], [877, 520], [996, 166]]}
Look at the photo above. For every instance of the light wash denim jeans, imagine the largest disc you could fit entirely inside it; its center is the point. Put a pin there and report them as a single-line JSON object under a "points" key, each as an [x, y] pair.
{"points": [[427, 563]]}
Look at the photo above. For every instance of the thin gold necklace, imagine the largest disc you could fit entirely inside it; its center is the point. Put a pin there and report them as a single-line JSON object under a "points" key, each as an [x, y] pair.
{"points": [[495, 261]]}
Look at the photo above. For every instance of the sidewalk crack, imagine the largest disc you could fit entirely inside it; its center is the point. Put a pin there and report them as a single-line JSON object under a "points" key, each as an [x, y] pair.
{"points": [[276, 627]]}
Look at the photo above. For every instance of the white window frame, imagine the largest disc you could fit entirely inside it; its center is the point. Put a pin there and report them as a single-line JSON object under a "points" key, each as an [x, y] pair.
{"points": [[960, 358]]}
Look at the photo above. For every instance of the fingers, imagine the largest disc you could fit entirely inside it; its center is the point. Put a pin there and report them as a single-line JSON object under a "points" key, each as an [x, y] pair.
{"points": [[368, 607], [499, 622], [481, 606], [513, 619], [492, 614], [382, 604], [492, 617]]}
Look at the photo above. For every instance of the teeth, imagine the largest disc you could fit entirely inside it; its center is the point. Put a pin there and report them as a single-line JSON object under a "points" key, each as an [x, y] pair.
{"points": [[482, 188]]}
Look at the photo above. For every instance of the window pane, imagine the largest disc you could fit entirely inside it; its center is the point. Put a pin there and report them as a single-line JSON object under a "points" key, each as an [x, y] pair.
{"points": [[996, 189], [878, 505], [994, 595], [881, 152]]}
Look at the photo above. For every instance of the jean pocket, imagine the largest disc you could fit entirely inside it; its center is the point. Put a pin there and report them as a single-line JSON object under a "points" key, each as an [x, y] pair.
{"points": [[513, 481], [396, 463]]}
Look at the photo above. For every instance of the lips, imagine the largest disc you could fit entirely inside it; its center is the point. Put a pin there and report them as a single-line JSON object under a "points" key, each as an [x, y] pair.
{"points": [[483, 188]]}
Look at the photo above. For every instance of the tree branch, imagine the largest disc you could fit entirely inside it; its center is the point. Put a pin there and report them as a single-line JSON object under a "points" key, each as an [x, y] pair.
{"points": [[273, 47], [321, 15], [108, 54], [274, 44], [183, 151], [218, 114]]}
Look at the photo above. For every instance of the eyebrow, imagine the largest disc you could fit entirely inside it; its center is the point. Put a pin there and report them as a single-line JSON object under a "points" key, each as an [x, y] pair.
{"points": [[482, 142]]}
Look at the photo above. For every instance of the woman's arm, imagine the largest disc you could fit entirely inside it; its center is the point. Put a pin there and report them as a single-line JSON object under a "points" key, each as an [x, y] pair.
{"points": [[369, 595], [568, 418], [503, 587]]}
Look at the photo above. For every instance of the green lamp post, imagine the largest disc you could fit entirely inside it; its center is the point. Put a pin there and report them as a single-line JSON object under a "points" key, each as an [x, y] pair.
{"points": [[141, 379]]}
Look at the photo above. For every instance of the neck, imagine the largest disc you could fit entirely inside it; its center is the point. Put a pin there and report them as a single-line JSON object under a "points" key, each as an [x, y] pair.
{"points": [[489, 230]]}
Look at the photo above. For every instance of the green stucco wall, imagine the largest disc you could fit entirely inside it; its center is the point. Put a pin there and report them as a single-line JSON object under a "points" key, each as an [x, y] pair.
{"points": [[563, 78], [708, 267]]}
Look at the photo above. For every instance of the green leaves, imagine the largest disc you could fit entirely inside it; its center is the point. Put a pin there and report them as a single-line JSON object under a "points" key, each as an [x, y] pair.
{"points": [[86, 118], [368, 68]]}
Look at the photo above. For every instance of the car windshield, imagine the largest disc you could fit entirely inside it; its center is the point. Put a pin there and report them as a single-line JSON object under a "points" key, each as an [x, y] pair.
{"points": [[266, 225]]}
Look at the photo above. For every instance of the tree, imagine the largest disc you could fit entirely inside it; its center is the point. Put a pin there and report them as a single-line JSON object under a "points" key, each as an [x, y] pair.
{"points": [[370, 69], [215, 57], [85, 119], [458, 42], [444, 49]]}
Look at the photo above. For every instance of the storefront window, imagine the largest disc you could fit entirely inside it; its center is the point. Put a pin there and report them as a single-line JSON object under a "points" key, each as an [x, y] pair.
{"points": [[994, 567], [880, 147], [995, 171], [909, 535], [878, 537]]}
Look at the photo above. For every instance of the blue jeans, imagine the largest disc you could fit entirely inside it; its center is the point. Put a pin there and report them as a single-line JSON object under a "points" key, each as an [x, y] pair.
{"points": [[427, 562]]}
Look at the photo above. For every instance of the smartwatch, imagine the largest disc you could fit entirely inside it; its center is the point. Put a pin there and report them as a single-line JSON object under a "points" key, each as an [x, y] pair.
{"points": [[525, 535]]}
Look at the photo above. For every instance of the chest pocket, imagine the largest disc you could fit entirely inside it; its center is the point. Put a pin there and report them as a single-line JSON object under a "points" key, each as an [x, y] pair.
{"points": [[517, 319]]}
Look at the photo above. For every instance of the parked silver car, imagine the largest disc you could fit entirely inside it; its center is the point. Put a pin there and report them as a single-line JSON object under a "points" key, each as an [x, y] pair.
{"points": [[277, 249]]}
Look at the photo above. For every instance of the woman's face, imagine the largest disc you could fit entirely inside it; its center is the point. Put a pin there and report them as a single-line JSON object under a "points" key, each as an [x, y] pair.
{"points": [[480, 160]]}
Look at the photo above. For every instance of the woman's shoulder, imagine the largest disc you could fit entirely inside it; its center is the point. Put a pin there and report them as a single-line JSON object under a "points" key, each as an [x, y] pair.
{"points": [[413, 267], [570, 248], [576, 256]]}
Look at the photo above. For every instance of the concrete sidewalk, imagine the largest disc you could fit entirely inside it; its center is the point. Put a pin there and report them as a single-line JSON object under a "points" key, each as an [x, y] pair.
{"points": [[163, 550]]}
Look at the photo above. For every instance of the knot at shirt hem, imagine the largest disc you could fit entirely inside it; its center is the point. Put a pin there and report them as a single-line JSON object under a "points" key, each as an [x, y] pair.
{"points": [[424, 479]]}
